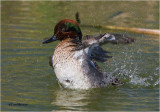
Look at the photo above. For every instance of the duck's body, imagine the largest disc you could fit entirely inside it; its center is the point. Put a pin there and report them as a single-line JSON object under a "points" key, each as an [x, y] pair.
{"points": [[72, 59], [74, 69]]}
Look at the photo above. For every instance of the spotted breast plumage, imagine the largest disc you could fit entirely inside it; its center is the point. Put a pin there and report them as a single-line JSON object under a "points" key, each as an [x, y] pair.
{"points": [[74, 58]]}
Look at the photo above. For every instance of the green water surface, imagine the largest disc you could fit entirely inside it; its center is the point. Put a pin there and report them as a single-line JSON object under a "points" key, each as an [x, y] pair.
{"points": [[28, 83]]}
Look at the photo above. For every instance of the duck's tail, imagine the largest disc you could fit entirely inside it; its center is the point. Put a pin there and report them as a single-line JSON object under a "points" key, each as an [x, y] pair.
{"points": [[77, 18], [114, 80]]}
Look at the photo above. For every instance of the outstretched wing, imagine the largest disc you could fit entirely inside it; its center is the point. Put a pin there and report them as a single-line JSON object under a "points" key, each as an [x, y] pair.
{"points": [[122, 39], [98, 54], [94, 50]]}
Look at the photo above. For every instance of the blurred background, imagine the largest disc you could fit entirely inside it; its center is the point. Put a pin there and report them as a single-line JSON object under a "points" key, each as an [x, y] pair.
{"points": [[28, 79]]}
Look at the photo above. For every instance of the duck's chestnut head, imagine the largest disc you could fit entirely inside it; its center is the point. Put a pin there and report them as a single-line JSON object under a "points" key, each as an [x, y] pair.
{"points": [[66, 28]]}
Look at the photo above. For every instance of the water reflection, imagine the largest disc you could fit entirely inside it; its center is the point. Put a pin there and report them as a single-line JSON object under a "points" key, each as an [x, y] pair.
{"points": [[104, 99], [71, 99]]}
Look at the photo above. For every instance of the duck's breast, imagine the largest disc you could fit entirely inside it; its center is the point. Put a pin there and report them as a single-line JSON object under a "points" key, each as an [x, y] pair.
{"points": [[68, 69]]}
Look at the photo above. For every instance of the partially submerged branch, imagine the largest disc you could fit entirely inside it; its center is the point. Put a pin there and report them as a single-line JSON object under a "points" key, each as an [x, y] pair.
{"points": [[134, 30]]}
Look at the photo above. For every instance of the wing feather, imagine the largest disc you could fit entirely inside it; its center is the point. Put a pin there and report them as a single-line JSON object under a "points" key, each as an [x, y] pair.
{"points": [[96, 52]]}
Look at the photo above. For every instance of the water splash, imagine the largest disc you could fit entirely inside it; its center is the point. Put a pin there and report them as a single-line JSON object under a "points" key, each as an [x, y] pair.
{"points": [[157, 82], [134, 68], [136, 80]]}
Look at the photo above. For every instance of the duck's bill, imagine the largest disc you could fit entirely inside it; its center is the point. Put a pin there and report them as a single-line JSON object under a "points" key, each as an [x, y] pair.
{"points": [[53, 38]]}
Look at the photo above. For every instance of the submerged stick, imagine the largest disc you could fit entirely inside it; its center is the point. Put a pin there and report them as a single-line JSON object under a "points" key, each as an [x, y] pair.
{"points": [[134, 30]]}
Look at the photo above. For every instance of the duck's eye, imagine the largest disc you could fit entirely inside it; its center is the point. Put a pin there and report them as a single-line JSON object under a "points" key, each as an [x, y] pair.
{"points": [[63, 29]]}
